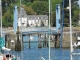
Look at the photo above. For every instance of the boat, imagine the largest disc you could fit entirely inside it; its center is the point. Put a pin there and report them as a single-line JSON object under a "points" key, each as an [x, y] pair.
{"points": [[7, 56], [4, 56]]}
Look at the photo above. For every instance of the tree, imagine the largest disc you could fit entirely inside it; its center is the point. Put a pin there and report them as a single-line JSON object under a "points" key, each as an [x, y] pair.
{"points": [[67, 2], [53, 11], [7, 5], [53, 18], [28, 3], [7, 19], [29, 10], [40, 0], [40, 7], [54, 2], [75, 18], [74, 11]]}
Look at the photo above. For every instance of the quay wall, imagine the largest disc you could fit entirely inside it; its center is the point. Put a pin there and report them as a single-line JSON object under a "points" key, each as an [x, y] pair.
{"points": [[65, 42], [66, 39]]}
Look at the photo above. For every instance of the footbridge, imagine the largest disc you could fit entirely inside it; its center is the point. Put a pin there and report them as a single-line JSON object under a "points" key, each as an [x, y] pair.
{"points": [[35, 30]]}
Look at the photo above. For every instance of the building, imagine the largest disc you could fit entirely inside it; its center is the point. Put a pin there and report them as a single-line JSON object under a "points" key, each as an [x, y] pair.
{"points": [[25, 20]]}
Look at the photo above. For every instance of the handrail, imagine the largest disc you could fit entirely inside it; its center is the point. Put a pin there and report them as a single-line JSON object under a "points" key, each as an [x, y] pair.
{"points": [[36, 29]]}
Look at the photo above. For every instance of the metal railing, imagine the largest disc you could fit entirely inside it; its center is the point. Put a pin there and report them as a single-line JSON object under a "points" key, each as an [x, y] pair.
{"points": [[37, 29]]}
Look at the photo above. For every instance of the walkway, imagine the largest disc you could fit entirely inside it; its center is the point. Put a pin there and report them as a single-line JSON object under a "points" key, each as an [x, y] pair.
{"points": [[31, 30]]}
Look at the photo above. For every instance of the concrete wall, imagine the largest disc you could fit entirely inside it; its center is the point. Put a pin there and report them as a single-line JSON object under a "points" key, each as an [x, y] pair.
{"points": [[9, 38], [66, 39], [52, 44]]}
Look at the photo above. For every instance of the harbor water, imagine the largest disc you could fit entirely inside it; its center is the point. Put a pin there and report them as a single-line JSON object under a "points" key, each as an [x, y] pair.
{"points": [[35, 53]]}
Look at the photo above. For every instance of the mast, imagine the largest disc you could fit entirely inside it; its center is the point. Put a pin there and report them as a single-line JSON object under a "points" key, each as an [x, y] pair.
{"points": [[21, 31], [1, 16], [49, 29], [71, 48]]}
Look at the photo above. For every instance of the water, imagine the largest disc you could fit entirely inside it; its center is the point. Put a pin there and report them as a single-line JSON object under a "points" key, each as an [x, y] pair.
{"points": [[35, 53]]}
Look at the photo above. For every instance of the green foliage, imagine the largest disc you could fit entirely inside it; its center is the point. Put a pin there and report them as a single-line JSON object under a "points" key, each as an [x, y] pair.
{"points": [[28, 4], [7, 19], [53, 10], [54, 2], [33, 0], [40, 0], [75, 18], [74, 12], [53, 18], [66, 15], [40, 7], [29, 10]]}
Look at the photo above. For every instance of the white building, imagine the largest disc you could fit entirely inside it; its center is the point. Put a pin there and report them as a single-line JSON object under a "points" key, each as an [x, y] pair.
{"points": [[25, 20]]}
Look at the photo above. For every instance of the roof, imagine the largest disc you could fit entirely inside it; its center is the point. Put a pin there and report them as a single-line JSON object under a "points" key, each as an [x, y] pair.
{"points": [[22, 14]]}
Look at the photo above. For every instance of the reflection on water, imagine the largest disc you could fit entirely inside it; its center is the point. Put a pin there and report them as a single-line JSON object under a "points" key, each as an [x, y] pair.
{"points": [[35, 53]]}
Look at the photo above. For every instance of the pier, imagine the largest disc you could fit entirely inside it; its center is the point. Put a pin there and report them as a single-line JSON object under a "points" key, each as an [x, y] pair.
{"points": [[32, 32], [9, 33]]}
